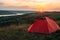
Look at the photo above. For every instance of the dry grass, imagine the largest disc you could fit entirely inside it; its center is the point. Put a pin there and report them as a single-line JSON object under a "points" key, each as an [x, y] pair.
{"points": [[19, 32]]}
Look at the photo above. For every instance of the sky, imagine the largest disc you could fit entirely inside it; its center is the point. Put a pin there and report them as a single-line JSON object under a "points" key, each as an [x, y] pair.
{"points": [[30, 5]]}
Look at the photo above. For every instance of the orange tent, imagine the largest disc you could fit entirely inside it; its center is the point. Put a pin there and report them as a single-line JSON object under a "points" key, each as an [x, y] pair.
{"points": [[43, 25]]}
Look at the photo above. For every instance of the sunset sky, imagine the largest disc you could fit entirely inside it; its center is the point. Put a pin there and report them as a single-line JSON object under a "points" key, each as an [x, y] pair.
{"points": [[30, 5]]}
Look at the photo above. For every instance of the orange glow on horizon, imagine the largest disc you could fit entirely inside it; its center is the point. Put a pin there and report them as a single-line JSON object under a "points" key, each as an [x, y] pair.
{"points": [[41, 8]]}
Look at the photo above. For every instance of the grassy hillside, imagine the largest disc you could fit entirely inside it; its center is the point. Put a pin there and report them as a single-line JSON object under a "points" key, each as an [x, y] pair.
{"points": [[16, 28]]}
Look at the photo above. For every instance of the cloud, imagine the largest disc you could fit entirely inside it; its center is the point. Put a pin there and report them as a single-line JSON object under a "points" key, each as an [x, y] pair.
{"points": [[29, 4], [1, 4]]}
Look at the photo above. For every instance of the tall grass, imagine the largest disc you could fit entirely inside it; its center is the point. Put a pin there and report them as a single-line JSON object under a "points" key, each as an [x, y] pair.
{"points": [[17, 30]]}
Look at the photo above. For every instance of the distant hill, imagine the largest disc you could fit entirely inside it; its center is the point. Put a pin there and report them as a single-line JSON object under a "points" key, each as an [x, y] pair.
{"points": [[2, 12]]}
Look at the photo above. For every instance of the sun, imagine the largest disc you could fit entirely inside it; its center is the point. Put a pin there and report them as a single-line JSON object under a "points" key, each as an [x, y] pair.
{"points": [[41, 7]]}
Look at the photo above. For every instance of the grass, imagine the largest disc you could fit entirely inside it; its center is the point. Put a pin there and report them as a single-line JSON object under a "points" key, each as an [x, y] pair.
{"points": [[19, 32]]}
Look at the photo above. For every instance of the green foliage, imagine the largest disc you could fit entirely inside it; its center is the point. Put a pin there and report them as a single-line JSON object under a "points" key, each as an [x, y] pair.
{"points": [[18, 32]]}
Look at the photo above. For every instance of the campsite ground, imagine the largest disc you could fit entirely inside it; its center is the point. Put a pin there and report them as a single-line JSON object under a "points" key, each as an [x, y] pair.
{"points": [[18, 31]]}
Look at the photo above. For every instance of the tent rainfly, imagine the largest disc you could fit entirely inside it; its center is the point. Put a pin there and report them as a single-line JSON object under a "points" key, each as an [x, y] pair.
{"points": [[44, 25]]}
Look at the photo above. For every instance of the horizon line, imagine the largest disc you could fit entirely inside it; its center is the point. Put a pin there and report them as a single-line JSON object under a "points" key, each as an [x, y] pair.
{"points": [[26, 10]]}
